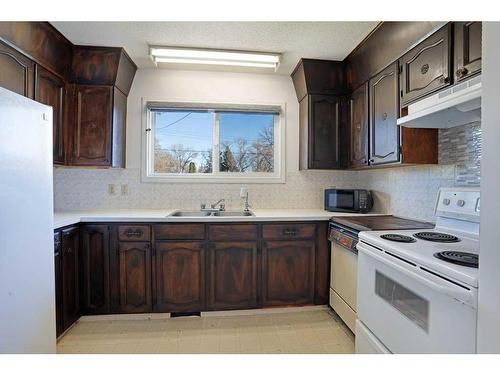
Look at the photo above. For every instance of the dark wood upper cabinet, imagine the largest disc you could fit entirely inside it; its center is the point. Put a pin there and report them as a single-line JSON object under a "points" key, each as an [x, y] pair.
{"points": [[95, 267], [467, 49], [70, 275], [17, 72], [134, 265], [232, 275], [288, 269], [384, 109], [358, 120], [180, 276], [427, 67], [50, 90], [319, 77], [319, 132], [93, 126]]}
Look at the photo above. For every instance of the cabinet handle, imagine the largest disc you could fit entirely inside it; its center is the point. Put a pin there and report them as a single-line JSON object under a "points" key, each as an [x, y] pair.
{"points": [[133, 233], [445, 79], [289, 232]]}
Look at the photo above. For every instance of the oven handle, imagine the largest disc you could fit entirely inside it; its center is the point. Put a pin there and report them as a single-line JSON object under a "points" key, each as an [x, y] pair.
{"points": [[458, 293]]}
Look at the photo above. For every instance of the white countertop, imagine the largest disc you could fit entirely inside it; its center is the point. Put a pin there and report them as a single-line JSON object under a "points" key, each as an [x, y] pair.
{"points": [[62, 219]]}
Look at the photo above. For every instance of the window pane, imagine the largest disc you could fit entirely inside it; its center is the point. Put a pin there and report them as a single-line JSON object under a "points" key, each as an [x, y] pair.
{"points": [[246, 142], [183, 142]]}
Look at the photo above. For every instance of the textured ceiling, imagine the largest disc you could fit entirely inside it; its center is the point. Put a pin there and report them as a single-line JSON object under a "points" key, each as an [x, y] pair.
{"points": [[321, 40]]}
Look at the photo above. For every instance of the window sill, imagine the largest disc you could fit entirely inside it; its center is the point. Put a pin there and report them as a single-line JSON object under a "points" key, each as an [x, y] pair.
{"points": [[214, 179]]}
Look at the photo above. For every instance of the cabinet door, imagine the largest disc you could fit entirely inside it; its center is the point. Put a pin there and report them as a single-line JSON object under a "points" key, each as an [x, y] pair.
{"points": [[16, 71], [288, 273], [49, 89], [95, 259], [70, 276], [58, 283], [180, 276], [426, 68], [233, 275], [92, 133], [324, 127], [134, 259], [358, 156], [384, 132], [467, 49]]}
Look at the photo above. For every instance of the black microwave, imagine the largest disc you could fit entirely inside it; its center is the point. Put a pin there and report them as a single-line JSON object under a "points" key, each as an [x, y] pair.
{"points": [[348, 200]]}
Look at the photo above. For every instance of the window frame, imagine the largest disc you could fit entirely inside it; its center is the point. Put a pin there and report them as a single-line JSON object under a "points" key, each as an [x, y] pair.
{"points": [[147, 152]]}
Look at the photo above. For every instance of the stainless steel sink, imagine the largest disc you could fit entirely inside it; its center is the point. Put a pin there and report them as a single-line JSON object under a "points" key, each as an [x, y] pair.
{"points": [[180, 213], [233, 213]]}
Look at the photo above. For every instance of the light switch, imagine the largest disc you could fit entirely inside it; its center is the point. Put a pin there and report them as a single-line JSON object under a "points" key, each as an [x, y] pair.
{"points": [[111, 189]]}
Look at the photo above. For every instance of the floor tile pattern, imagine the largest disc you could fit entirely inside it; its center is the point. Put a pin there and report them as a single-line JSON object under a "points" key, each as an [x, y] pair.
{"points": [[296, 332]]}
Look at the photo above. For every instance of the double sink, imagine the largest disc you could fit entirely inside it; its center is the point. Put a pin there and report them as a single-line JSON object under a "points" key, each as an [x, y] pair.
{"points": [[180, 213]]}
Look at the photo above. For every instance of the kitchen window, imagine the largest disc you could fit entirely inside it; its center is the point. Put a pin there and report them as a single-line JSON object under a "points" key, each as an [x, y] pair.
{"points": [[206, 142]]}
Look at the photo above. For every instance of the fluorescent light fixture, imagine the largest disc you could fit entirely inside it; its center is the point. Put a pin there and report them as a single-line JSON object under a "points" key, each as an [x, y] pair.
{"points": [[179, 55]]}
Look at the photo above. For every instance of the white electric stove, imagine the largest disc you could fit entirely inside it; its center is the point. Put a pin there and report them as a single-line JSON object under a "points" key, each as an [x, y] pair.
{"points": [[417, 289]]}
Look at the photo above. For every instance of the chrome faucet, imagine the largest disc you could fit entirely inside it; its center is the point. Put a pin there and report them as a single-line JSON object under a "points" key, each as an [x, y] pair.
{"points": [[213, 207]]}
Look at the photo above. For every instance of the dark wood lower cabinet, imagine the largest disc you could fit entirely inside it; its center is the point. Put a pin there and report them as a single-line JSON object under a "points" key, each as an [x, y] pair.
{"points": [[134, 260], [95, 268], [58, 282], [180, 276], [144, 268], [288, 269], [70, 276], [232, 275]]}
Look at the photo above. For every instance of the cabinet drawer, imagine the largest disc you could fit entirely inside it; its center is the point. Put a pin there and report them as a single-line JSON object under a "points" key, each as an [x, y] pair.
{"points": [[288, 231], [229, 232], [133, 233], [179, 231]]}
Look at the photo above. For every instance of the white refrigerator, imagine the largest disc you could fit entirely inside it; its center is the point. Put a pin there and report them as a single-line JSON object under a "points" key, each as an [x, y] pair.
{"points": [[27, 296]]}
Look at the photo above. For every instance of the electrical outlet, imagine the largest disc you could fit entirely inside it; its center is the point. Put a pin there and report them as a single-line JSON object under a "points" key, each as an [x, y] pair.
{"points": [[124, 189], [111, 189]]}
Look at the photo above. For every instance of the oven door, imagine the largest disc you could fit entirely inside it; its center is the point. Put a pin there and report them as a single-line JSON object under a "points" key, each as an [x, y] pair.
{"points": [[412, 311]]}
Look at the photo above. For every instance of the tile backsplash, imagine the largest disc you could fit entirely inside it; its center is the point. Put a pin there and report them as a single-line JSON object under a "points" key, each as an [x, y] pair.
{"points": [[461, 146]]}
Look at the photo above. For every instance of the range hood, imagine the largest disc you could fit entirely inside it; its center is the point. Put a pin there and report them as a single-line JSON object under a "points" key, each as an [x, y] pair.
{"points": [[455, 106]]}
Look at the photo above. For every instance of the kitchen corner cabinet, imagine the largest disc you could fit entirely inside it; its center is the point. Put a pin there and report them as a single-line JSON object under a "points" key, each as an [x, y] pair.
{"points": [[50, 90], [70, 275], [180, 276], [467, 49], [95, 269], [320, 128], [358, 120], [16, 71], [427, 67], [58, 283]]}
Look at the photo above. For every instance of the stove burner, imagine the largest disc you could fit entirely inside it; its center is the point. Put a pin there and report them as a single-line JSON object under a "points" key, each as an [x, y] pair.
{"points": [[397, 238], [458, 257], [436, 237]]}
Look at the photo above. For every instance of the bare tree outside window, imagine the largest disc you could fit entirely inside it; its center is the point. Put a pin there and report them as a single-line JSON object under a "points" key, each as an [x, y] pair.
{"points": [[183, 142]]}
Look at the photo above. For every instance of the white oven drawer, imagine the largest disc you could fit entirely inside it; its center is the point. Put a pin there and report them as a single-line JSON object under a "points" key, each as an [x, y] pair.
{"points": [[366, 342], [412, 313]]}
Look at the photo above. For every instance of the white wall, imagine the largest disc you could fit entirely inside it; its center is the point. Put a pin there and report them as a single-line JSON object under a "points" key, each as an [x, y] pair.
{"points": [[489, 260]]}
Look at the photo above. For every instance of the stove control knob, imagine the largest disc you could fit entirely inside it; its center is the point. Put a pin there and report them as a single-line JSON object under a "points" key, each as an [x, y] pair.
{"points": [[460, 203], [446, 201]]}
